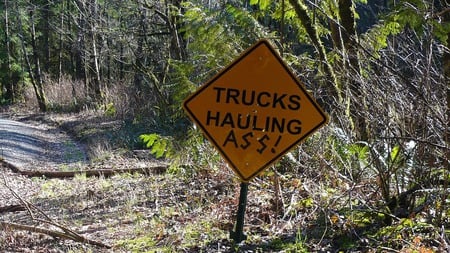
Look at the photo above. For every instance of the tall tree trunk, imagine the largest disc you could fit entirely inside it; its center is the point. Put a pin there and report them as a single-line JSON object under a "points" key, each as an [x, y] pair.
{"points": [[95, 80], [109, 45], [61, 42], [446, 64], [121, 61], [349, 40], [8, 85], [139, 55], [177, 47], [302, 13], [46, 34], [40, 95], [349, 36], [80, 47], [93, 67]]}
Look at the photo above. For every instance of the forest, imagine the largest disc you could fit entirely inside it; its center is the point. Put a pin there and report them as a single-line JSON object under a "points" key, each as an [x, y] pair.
{"points": [[374, 179]]}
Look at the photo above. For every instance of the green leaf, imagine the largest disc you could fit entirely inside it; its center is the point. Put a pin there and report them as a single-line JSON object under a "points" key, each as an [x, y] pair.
{"points": [[407, 222], [394, 153], [361, 152], [263, 4], [306, 203]]}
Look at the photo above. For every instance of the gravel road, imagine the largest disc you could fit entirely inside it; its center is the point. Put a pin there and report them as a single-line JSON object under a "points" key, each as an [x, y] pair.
{"points": [[34, 146]]}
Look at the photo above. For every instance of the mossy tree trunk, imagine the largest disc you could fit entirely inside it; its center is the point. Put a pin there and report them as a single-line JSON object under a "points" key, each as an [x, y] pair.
{"points": [[349, 39]]}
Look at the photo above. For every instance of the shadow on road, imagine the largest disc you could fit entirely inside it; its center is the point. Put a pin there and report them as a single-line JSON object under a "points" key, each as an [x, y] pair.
{"points": [[29, 146]]}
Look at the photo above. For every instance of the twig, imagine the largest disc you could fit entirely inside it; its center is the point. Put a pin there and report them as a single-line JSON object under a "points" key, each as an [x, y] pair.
{"points": [[17, 196], [444, 238], [414, 139], [53, 233]]}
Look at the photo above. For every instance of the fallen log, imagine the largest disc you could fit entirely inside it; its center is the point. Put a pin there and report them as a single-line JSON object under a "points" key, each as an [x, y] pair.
{"points": [[108, 172]]}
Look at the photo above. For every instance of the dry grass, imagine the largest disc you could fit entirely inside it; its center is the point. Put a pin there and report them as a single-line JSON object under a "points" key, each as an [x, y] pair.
{"points": [[68, 96]]}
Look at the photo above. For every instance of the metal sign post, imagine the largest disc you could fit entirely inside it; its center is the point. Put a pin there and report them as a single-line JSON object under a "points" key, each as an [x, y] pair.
{"points": [[238, 235]]}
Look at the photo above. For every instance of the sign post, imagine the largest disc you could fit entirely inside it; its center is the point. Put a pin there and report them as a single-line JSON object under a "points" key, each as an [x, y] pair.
{"points": [[254, 111], [238, 234]]}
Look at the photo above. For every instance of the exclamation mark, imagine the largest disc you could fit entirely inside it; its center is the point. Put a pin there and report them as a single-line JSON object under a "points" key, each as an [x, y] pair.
{"points": [[276, 144]]}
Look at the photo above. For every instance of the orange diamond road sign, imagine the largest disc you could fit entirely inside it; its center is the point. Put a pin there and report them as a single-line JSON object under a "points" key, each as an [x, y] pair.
{"points": [[255, 110]]}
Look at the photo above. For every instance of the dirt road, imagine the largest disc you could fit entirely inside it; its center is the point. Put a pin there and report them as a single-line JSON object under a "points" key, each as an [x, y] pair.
{"points": [[35, 146]]}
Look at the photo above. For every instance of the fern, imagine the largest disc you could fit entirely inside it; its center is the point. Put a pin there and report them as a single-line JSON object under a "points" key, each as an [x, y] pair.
{"points": [[159, 145], [411, 14]]}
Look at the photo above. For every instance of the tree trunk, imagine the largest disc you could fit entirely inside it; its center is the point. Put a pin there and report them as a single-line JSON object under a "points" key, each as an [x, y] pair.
{"points": [[61, 42], [446, 64], [348, 36], [8, 85], [121, 62], [177, 48], [46, 34], [94, 83], [80, 48], [349, 49], [139, 55], [39, 89], [302, 13]]}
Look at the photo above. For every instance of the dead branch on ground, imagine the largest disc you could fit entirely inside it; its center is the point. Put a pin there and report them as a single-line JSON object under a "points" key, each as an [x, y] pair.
{"points": [[11, 208], [53, 233], [33, 210]]}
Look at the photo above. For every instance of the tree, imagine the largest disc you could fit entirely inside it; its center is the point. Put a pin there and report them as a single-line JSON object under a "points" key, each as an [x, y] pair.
{"points": [[7, 82], [45, 27], [33, 71], [87, 51]]}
